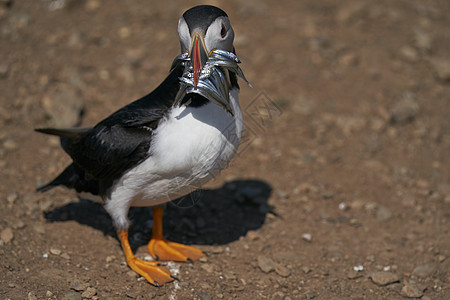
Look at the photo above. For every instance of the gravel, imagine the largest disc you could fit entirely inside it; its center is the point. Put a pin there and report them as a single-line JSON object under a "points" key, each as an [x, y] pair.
{"points": [[383, 214], [423, 40], [89, 292], [307, 237], [384, 278], [7, 235], [441, 67], [4, 70], [265, 263], [425, 270], [72, 296], [55, 251], [404, 110], [411, 290], [282, 270]]}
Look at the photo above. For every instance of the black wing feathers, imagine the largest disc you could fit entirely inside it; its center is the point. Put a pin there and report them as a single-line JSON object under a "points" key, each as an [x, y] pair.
{"points": [[120, 141], [106, 152]]}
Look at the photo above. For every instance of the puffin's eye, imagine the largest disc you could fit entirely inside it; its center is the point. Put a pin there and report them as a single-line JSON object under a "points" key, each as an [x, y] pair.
{"points": [[223, 31]]}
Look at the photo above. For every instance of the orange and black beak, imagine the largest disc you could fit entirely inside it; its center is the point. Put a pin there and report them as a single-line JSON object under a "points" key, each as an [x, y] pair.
{"points": [[198, 55]]}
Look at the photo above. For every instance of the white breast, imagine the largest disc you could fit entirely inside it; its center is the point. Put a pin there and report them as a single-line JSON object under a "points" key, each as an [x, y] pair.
{"points": [[188, 149]]}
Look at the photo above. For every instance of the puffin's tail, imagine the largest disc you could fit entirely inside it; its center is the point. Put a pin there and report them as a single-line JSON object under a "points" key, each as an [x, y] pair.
{"points": [[66, 132], [66, 135], [67, 177], [73, 177]]}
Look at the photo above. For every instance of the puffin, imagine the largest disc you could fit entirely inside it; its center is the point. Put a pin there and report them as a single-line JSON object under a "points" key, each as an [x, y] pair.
{"points": [[166, 144]]}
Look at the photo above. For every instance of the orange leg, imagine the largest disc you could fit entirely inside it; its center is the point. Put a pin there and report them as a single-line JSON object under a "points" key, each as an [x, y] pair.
{"points": [[154, 272], [162, 249]]}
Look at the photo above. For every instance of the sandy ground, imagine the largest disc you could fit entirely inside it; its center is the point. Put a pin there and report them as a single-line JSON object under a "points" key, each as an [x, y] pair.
{"points": [[341, 189]]}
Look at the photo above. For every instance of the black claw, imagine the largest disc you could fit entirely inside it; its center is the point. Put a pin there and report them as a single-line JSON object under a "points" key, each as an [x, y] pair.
{"points": [[156, 257], [206, 253], [156, 283], [174, 278], [161, 265], [190, 260]]}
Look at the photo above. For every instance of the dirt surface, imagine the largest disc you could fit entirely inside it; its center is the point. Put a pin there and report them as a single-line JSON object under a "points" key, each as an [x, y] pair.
{"points": [[341, 189]]}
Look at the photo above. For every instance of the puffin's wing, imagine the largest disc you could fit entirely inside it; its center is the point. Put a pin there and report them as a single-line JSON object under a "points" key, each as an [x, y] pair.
{"points": [[107, 151], [104, 151], [123, 139]]}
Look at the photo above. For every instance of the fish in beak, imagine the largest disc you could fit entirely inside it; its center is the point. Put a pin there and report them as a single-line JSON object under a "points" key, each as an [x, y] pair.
{"points": [[198, 55]]}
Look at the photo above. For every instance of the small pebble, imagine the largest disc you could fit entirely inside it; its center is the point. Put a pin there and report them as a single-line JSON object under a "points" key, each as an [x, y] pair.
{"points": [[4, 70], [39, 228], [228, 275], [6, 235], [405, 110], [204, 296], [327, 194], [423, 40], [384, 278], [278, 296], [19, 224], [383, 214], [411, 290], [424, 270], [65, 256], [253, 235], [324, 271], [409, 53], [441, 68], [72, 296], [92, 5], [124, 32], [358, 268], [11, 198], [132, 274], [110, 258], [80, 286], [354, 274], [208, 267], [55, 251], [31, 296], [282, 270], [216, 250], [265, 264], [10, 144], [89, 292], [307, 237]]}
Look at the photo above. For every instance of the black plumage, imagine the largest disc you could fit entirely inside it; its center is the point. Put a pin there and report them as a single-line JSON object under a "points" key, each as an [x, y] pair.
{"points": [[104, 152], [200, 17]]}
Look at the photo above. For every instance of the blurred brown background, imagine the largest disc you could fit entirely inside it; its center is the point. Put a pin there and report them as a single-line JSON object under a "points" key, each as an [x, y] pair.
{"points": [[342, 190]]}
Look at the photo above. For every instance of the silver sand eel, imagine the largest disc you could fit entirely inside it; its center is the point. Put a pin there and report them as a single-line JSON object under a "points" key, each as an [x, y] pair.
{"points": [[214, 82]]}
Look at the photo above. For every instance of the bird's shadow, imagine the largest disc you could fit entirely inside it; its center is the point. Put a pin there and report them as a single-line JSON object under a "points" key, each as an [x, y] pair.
{"points": [[208, 216]]}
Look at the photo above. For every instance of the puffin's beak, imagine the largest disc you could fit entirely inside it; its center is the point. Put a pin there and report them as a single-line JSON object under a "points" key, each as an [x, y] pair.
{"points": [[198, 55]]}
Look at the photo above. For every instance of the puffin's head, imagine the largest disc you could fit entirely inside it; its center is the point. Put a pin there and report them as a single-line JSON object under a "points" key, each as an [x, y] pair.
{"points": [[203, 29]]}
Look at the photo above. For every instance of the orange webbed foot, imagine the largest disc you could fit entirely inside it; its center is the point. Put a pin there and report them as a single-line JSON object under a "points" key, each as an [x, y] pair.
{"points": [[162, 249], [154, 272]]}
